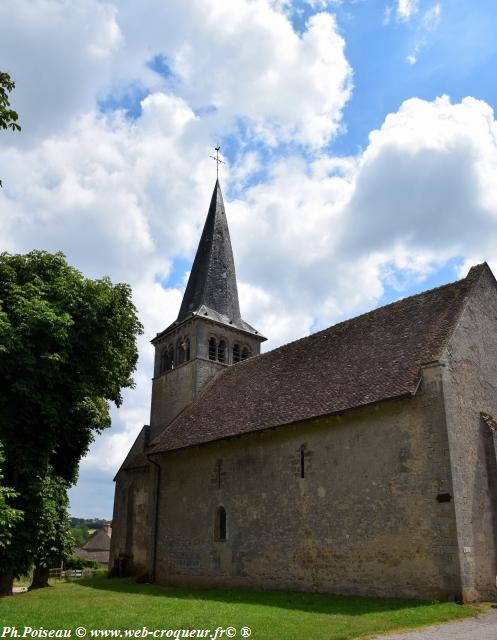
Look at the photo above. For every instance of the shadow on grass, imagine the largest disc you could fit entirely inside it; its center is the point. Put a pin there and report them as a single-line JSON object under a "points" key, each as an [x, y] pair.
{"points": [[302, 601]]}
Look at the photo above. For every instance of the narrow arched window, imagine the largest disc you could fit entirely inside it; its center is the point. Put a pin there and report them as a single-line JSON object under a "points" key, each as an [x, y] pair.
{"points": [[236, 353], [245, 353], [171, 357], [220, 527], [164, 361], [186, 346], [302, 461], [212, 349], [221, 351], [180, 354]]}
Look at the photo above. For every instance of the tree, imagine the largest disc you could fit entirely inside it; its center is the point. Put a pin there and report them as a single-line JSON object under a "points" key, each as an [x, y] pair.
{"points": [[9, 516], [67, 349], [54, 542], [8, 117], [80, 536]]}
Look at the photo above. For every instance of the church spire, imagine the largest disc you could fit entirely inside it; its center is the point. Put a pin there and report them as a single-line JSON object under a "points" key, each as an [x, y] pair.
{"points": [[212, 281]]}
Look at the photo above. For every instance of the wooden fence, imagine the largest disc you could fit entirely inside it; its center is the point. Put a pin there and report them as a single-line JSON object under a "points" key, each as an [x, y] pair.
{"points": [[69, 574]]}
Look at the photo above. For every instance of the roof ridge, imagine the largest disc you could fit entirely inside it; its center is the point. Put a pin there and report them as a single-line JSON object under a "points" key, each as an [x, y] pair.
{"points": [[471, 273], [471, 278]]}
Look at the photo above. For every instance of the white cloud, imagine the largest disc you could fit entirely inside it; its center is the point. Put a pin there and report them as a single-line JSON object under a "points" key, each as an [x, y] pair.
{"points": [[431, 17], [63, 57], [426, 181], [59, 54], [426, 27], [292, 87], [422, 24], [406, 9]]}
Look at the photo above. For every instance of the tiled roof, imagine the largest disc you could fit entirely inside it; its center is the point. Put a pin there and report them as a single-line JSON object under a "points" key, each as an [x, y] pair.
{"points": [[374, 357], [100, 541], [102, 557], [211, 290]]}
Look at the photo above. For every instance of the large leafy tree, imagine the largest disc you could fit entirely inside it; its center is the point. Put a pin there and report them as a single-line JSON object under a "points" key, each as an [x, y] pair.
{"points": [[67, 349]]}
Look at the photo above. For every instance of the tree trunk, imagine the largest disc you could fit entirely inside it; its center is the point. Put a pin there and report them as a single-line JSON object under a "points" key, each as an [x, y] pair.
{"points": [[40, 578], [6, 582]]}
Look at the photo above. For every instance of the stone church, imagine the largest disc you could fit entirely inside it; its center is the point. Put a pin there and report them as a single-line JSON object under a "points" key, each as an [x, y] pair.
{"points": [[358, 460]]}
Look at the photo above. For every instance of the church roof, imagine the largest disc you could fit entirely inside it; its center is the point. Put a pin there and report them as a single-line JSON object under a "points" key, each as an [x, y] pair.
{"points": [[373, 357], [211, 290]]}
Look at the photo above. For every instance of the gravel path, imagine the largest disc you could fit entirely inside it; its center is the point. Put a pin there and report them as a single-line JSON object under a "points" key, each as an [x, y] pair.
{"points": [[484, 627]]}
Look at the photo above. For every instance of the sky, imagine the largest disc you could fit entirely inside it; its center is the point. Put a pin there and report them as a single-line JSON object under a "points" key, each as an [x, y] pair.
{"points": [[359, 141]]}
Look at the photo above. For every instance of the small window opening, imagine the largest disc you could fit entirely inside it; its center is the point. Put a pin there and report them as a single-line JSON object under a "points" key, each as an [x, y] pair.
{"points": [[302, 461], [164, 360], [245, 353], [221, 351], [444, 497], [186, 347], [212, 349], [171, 357], [220, 533], [236, 353], [180, 352]]}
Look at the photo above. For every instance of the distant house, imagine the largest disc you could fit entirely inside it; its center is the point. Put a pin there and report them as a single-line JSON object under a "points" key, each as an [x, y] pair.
{"points": [[98, 547]]}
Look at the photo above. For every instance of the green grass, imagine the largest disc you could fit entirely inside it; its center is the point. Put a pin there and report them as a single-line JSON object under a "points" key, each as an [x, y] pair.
{"points": [[100, 603]]}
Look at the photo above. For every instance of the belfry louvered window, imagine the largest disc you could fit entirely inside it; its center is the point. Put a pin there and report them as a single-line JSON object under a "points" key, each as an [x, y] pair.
{"points": [[245, 353], [221, 351], [236, 353], [164, 361], [186, 347], [180, 354], [212, 349]]}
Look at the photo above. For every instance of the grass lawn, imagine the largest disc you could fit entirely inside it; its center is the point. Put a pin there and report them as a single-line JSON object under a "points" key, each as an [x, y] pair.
{"points": [[100, 603]]}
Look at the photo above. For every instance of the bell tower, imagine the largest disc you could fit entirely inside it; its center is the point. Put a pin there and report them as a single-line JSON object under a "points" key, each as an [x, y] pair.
{"points": [[209, 333]]}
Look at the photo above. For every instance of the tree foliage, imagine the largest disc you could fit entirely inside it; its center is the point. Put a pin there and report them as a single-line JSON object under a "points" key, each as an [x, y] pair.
{"points": [[54, 542], [80, 536], [83, 528], [8, 117], [9, 516], [67, 349]]}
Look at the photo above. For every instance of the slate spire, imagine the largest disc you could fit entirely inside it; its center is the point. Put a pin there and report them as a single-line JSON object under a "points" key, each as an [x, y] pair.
{"points": [[212, 281]]}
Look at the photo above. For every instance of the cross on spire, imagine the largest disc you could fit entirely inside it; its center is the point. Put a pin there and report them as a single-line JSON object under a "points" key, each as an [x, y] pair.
{"points": [[217, 161]]}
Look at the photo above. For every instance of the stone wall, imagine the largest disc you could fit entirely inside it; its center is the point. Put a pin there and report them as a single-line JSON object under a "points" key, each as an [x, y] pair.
{"points": [[364, 519], [175, 389], [470, 382], [130, 522]]}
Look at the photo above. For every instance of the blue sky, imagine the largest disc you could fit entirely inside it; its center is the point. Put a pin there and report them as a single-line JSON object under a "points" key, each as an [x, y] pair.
{"points": [[359, 139]]}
